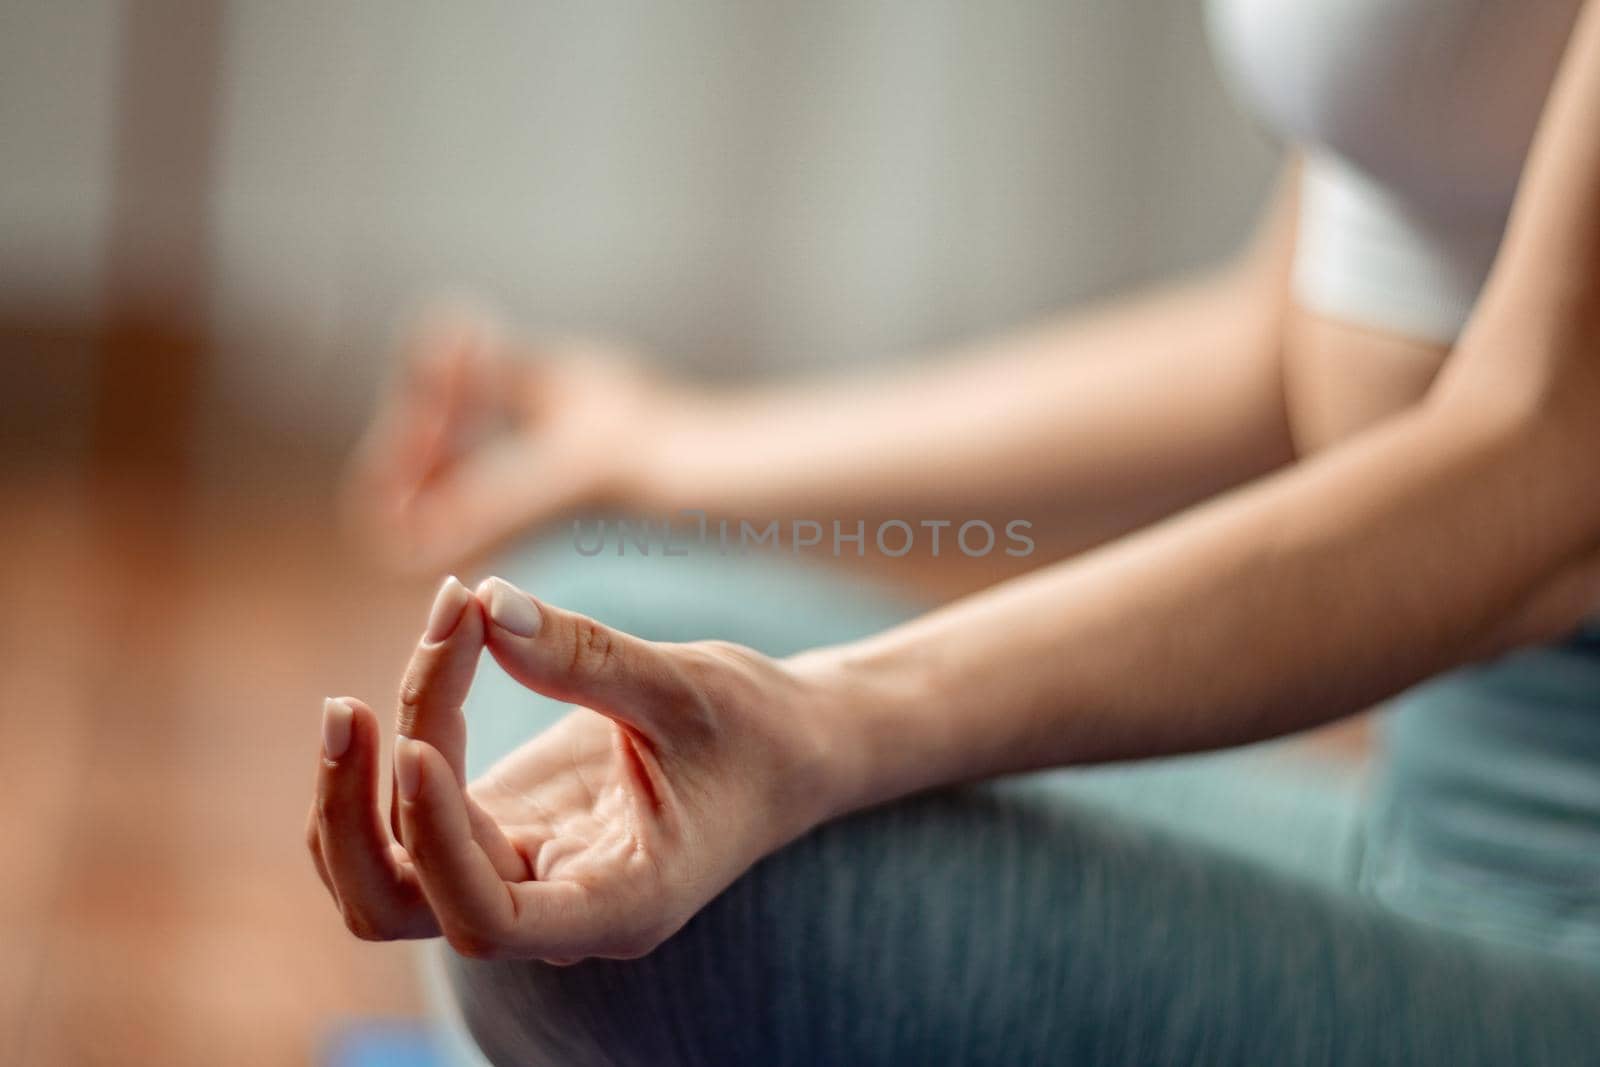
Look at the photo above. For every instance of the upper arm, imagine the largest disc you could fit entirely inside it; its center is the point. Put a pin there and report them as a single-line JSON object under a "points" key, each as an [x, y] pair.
{"points": [[1533, 345], [1526, 371]]}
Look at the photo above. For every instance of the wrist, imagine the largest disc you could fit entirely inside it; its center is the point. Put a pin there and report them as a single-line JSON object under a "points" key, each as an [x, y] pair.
{"points": [[665, 469], [874, 723]]}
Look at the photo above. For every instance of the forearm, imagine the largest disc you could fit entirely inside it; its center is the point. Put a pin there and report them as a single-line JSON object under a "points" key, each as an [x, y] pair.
{"points": [[1117, 418], [1276, 608]]}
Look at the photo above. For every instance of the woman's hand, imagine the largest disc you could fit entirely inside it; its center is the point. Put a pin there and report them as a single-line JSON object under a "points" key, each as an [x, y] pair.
{"points": [[600, 836], [481, 439]]}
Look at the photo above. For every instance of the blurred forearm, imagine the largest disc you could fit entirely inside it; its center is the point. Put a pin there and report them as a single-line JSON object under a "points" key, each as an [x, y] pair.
{"points": [[1098, 424]]}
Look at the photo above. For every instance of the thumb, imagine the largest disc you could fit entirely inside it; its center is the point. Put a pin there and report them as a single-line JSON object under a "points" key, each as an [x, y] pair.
{"points": [[573, 658]]}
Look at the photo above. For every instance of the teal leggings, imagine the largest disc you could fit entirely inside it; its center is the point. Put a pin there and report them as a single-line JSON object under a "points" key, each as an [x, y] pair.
{"points": [[1203, 910]]}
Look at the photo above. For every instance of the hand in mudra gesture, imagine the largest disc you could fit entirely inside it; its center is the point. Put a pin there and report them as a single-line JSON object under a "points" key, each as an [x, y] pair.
{"points": [[484, 436], [601, 836]]}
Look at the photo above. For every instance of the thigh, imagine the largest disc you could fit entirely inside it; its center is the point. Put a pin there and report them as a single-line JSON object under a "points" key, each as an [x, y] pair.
{"points": [[1276, 805], [1015, 923]]}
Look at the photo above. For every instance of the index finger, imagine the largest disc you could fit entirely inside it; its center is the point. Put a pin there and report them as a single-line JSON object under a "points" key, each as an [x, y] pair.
{"points": [[440, 674]]}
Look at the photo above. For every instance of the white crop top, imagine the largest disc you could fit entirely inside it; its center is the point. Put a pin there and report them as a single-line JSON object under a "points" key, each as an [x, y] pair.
{"points": [[1413, 117]]}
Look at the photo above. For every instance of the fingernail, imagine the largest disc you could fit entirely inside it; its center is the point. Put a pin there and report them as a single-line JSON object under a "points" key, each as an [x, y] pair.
{"points": [[407, 768], [511, 609], [446, 614], [336, 719]]}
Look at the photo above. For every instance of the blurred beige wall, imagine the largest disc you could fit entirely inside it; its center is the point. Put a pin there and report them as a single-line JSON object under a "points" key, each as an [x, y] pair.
{"points": [[57, 109], [746, 188]]}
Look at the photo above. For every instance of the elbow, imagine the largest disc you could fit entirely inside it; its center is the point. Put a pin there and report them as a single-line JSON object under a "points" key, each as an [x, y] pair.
{"points": [[1537, 426], [1526, 371], [1534, 392], [1540, 458], [1531, 398]]}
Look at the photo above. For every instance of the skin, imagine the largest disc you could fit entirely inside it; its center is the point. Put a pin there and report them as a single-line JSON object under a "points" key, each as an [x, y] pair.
{"points": [[1322, 516]]}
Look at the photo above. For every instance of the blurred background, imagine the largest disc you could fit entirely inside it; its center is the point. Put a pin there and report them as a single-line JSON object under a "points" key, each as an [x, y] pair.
{"points": [[213, 215]]}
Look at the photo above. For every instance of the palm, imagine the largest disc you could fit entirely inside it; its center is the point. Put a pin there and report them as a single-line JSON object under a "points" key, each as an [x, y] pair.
{"points": [[569, 803]]}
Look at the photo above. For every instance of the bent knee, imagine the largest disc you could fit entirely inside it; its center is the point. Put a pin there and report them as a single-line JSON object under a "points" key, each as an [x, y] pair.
{"points": [[764, 973], [698, 998]]}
